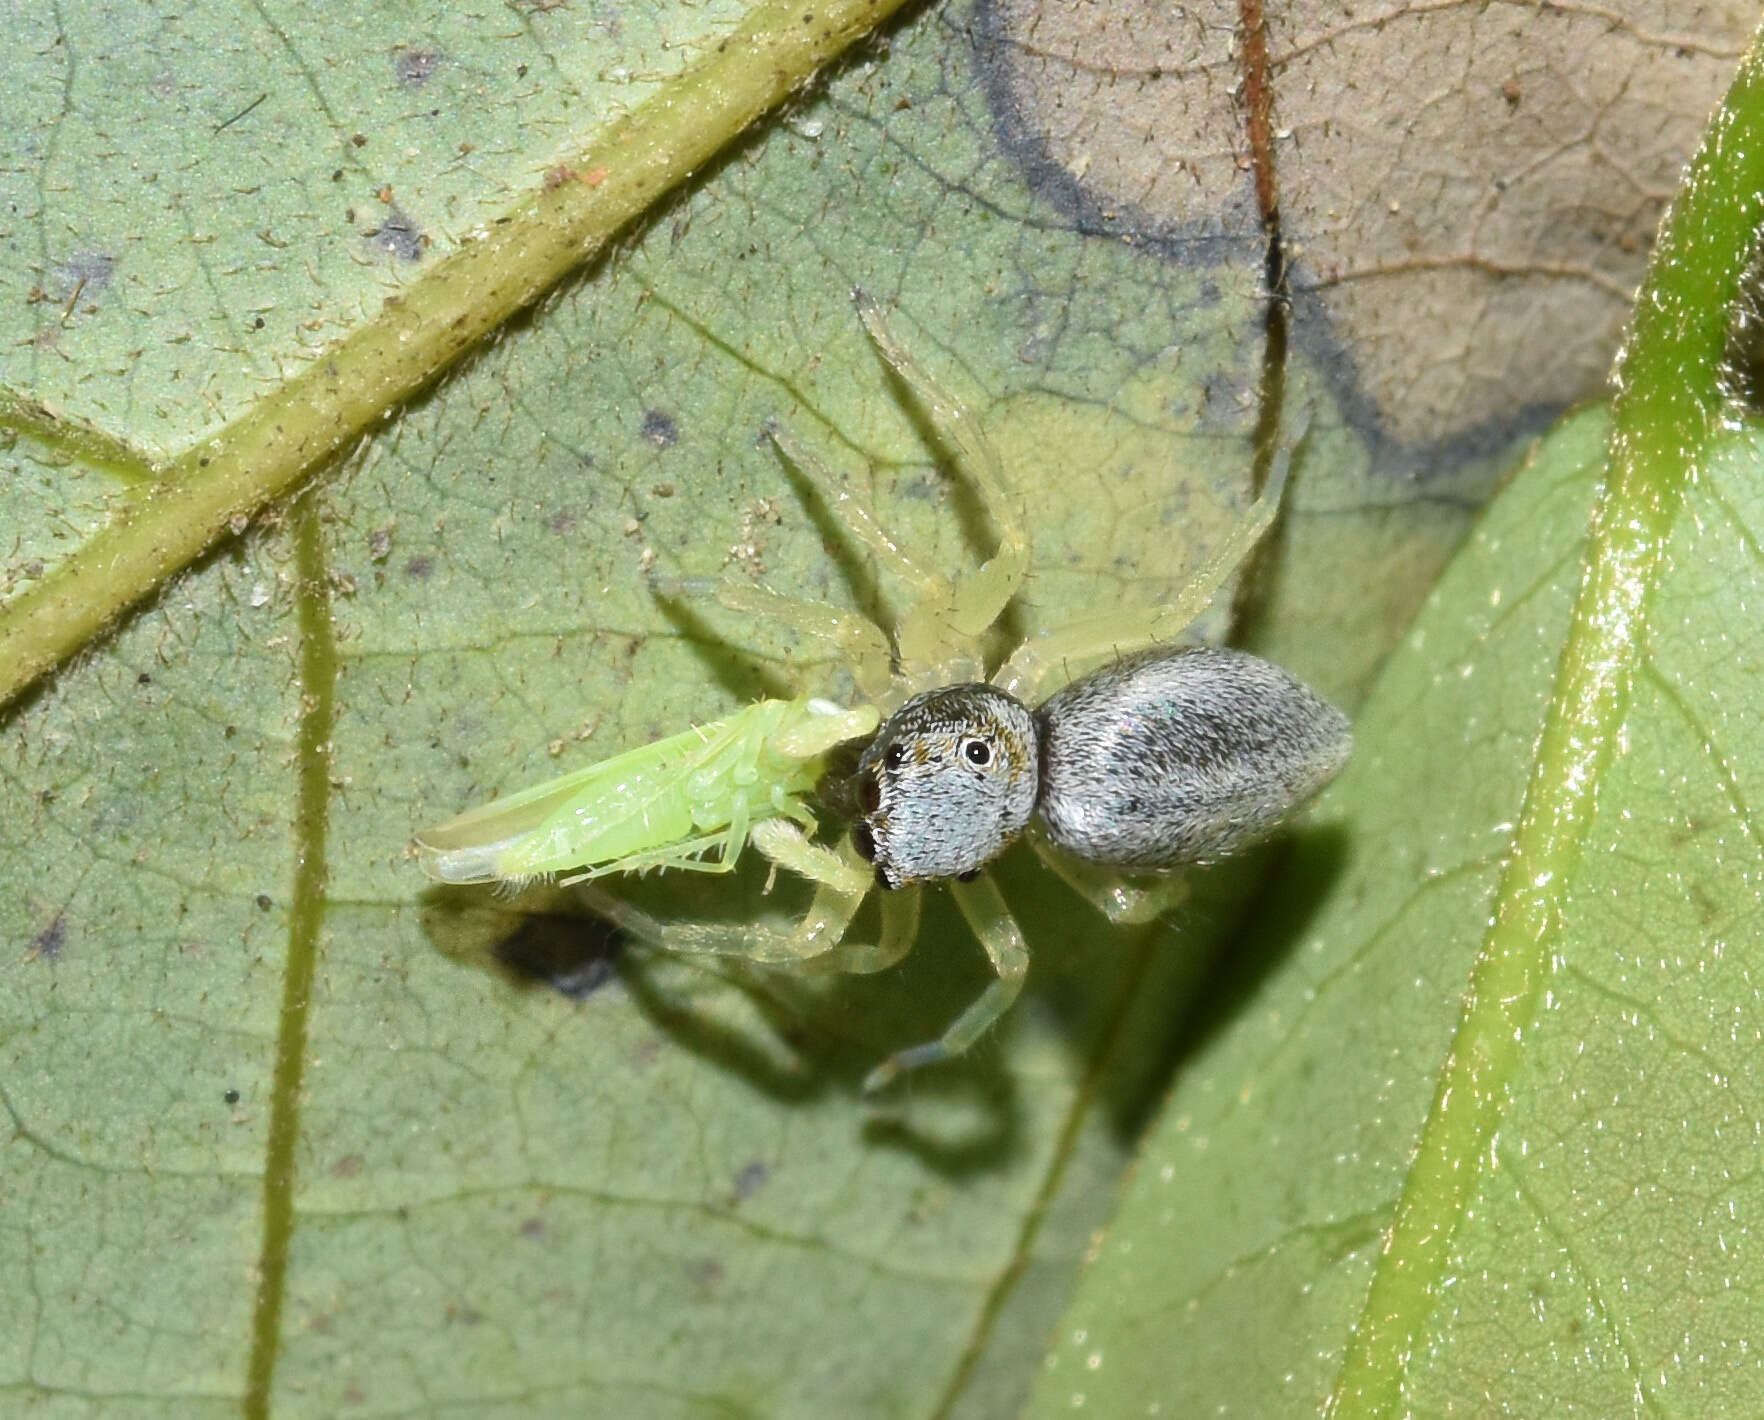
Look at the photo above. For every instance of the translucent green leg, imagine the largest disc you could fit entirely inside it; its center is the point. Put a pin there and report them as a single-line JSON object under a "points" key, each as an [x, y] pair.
{"points": [[900, 929], [855, 515], [858, 639], [1122, 901], [786, 845], [840, 887], [1078, 644], [976, 600], [984, 906]]}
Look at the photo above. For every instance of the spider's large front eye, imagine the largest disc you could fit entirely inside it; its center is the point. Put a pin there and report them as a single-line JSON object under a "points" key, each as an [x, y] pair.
{"points": [[894, 756], [977, 752]]}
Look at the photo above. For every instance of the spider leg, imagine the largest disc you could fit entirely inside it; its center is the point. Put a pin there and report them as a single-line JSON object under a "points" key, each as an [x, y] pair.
{"points": [[855, 515], [900, 928], [1123, 901], [984, 907], [840, 887], [1042, 658], [858, 639], [975, 601]]}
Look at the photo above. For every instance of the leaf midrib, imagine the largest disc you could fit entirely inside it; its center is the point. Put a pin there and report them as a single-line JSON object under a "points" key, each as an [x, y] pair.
{"points": [[1666, 412], [423, 329]]}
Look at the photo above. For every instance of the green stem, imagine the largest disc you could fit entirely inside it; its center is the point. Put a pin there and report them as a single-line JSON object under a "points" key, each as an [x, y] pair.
{"points": [[1667, 411], [495, 273]]}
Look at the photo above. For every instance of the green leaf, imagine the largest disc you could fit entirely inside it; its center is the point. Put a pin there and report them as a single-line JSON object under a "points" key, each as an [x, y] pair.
{"points": [[292, 1134], [288, 1134], [1481, 1119]]}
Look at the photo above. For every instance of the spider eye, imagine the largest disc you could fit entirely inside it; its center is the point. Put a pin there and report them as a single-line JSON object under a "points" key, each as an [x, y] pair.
{"points": [[894, 756], [869, 795], [977, 752]]}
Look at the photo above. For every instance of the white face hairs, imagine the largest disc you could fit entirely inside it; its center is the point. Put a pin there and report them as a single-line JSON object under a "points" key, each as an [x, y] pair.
{"points": [[1167, 755]]}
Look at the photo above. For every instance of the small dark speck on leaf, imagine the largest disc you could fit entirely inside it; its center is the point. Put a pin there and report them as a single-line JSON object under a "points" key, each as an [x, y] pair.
{"points": [[399, 235], [533, 1228], [264, 902], [349, 1166], [562, 523], [413, 65], [231, 1097], [47, 944], [660, 429], [704, 1273], [419, 568], [359, 139], [83, 274], [143, 679], [750, 1180]]}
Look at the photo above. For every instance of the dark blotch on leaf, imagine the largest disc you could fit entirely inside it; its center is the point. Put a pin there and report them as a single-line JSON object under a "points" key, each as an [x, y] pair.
{"points": [[413, 65], [574, 956], [419, 568], [264, 902], [750, 1180], [231, 1097], [400, 235], [660, 429], [47, 944], [85, 274]]}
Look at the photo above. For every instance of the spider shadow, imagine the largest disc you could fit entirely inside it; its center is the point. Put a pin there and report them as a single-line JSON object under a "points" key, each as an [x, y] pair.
{"points": [[736, 669], [804, 1033], [1147, 1011], [792, 1036], [1130, 1011], [1301, 873]]}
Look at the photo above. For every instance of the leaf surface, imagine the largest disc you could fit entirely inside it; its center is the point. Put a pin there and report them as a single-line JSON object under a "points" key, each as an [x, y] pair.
{"points": [[1480, 1119], [292, 1134]]}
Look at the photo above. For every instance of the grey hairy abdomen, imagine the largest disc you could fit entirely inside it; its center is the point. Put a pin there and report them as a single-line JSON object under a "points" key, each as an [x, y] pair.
{"points": [[1176, 757]]}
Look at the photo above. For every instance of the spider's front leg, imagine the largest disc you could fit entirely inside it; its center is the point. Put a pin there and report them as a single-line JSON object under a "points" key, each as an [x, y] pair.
{"points": [[983, 905], [1044, 660], [940, 631], [817, 941], [840, 887]]}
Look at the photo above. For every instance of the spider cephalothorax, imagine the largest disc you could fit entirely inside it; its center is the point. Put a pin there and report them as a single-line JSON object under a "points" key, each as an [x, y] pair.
{"points": [[947, 783]]}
